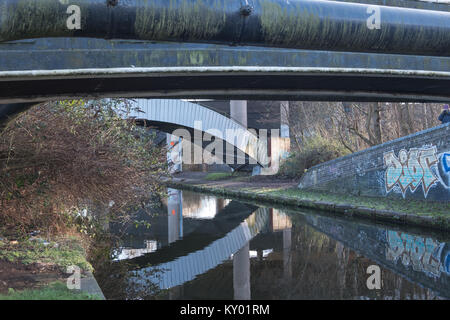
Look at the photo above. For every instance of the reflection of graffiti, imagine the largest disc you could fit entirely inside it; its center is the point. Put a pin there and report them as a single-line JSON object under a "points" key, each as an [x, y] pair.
{"points": [[421, 259], [422, 254], [411, 169]]}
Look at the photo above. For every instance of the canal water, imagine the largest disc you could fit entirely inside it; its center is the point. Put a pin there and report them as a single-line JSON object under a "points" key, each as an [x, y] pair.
{"points": [[199, 246]]}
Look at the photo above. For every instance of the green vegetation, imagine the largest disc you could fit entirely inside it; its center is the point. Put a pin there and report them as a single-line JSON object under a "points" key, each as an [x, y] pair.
{"points": [[218, 176], [314, 151], [235, 176], [63, 253], [54, 291], [398, 205]]}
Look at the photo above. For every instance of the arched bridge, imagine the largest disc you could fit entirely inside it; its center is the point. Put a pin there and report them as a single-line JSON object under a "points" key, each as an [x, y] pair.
{"points": [[193, 122]]}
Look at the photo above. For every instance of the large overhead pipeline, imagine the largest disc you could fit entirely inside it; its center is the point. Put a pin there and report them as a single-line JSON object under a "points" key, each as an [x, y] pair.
{"points": [[301, 24]]}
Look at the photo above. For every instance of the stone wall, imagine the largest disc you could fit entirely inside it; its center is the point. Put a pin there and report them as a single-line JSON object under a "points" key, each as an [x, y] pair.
{"points": [[413, 167]]}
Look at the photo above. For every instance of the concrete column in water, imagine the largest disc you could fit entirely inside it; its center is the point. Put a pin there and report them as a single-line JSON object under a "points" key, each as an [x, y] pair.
{"points": [[287, 261], [241, 273], [175, 215]]}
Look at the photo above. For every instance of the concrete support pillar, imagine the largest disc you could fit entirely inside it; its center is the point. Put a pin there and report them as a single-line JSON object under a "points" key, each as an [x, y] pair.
{"points": [[241, 273], [280, 142], [174, 153], [238, 111], [175, 215]]}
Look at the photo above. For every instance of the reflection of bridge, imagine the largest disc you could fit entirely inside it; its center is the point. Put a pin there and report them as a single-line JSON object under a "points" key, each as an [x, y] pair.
{"points": [[240, 230], [207, 231], [216, 240], [187, 267]]}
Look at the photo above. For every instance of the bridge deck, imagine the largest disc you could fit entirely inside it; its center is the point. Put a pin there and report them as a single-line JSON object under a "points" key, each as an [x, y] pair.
{"points": [[45, 69]]}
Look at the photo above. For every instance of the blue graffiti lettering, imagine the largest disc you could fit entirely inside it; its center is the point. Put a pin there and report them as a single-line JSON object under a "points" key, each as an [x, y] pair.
{"points": [[411, 169], [446, 162]]}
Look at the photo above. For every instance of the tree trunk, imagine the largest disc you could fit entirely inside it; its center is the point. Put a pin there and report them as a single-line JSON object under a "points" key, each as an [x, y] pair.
{"points": [[375, 125]]}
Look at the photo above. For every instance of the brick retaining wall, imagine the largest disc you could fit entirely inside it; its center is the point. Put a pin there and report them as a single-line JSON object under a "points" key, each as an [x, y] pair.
{"points": [[416, 166]]}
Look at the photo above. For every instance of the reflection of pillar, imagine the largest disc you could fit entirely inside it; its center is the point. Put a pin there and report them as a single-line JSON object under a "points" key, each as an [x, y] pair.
{"points": [[220, 204], [260, 255], [176, 293], [398, 288], [241, 273], [175, 215], [287, 261], [342, 260]]}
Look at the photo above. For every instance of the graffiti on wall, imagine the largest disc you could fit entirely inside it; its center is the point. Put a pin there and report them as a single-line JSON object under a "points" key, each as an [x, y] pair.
{"points": [[444, 169], [421, 254], [418, 167]]}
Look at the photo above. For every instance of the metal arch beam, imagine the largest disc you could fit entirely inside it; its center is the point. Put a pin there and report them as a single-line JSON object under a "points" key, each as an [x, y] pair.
{"points": [[169, 114]]}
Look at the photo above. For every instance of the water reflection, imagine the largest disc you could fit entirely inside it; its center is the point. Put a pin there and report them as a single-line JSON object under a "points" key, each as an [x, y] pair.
{"points": [[420, 259], [177, 216], [195, 261], [202, 247]]}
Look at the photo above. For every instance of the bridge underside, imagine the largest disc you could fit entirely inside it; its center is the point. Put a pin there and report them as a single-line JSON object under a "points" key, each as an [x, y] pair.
{"points": [[223, 137], [47, 69], [230, 152]]}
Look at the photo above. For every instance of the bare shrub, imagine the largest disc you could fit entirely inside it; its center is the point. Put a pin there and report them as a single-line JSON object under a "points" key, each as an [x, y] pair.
{"points": [[314, 151], [59, 157]]}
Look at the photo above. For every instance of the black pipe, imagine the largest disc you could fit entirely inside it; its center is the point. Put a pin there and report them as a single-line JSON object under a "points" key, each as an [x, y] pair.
{"points": [[302, 24]]}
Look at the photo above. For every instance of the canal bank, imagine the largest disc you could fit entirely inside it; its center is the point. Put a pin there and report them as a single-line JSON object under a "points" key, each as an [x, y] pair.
{"points": [[35, 268], [269, 190]]}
